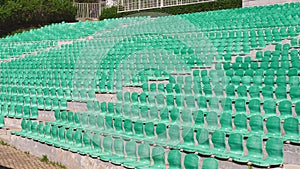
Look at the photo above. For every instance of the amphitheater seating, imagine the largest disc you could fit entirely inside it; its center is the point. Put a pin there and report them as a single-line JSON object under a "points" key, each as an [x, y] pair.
{"points": [[195, 77]]}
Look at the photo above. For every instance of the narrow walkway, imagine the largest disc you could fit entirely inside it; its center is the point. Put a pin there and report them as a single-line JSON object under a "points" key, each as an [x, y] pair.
{"points": [[11, 158]]}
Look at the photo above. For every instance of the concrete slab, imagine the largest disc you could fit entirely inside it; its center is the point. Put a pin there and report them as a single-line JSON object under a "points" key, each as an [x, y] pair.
{"points": [[46, 115], [77, 106]]}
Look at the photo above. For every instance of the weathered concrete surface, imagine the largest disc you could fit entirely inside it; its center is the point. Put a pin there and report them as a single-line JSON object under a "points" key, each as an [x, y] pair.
{"points": [[77, 106], [291, 154], [106, 97], [12, 123], [69, 159], [13, 158], [46, 115]]}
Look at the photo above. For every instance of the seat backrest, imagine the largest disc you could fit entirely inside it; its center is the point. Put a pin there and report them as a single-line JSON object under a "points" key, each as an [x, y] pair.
{"points": [[96, 142], [198, 118], [210, 163], [273, 125], [174, 159], [240, 121], [235, 142], [158, 156], [202, 137], [254, 146], [144, 153], [119, 147], [226, 120], [291, 127], [274, 148], [285, 108], [256, 123], [218, 139], [131, 150], [212, 120], [191, 161], [174, 133]]}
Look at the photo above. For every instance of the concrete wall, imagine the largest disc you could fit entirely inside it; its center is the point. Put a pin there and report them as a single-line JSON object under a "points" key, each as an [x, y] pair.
{"points": [[247, 3], [67, 158]]}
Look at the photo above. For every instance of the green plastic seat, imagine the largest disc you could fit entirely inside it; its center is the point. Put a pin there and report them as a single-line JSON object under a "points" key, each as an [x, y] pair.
{"points": [[118, 156], [218, 140], [218, 90], [273, 127], [254, 107], [61, 136], [191, 161], [254, 92], [202, 103], [128, 129], [149, 132], [190, 102], [175, 115], [226, 122], [242, 92], [297, 110], [144, 156], [295, 94], [235, 142], [86, 143], [256, 125], [240, 122], [212, 121], [179, 99], [138, 130], [106, 154], [188, 89], [226, 105], [161, 132], [77, 145], [198, 119], [230, 91], [214, 104], [174, 159], [203, 146], [47, 134], [97, 145], [210, 163], [291, 128], [280, 93], [54, 136], [160, 99], [130, 160], [158, 156], [267, 93], [285, 109], [269, 107], [19, 111], [164, 115], [170, 100], [293, 81], [187, 117], [240, 106], [174, 135], [152, 99], [207, 89], [2, 124], [188, 143], [274, 148], [255, 151]]}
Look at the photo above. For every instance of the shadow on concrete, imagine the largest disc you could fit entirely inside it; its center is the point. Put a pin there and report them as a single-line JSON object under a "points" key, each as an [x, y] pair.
{"points": [[3, 167]]}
